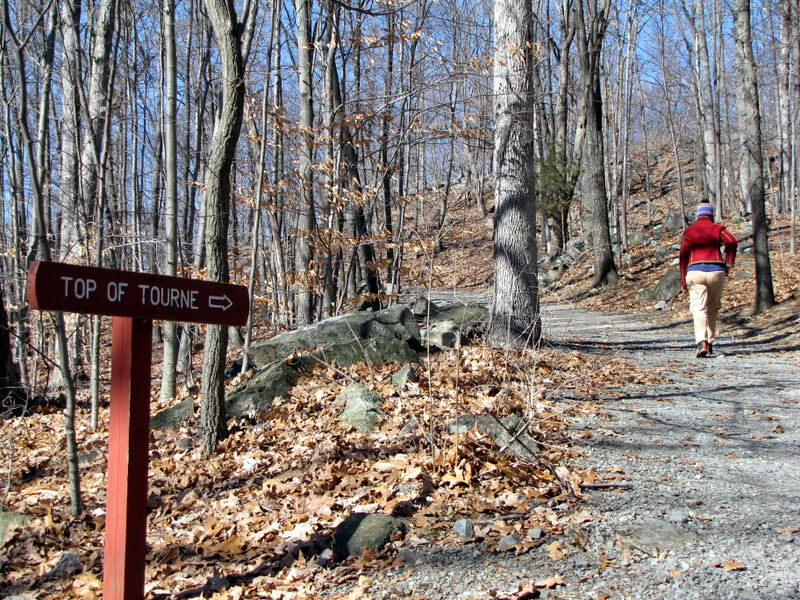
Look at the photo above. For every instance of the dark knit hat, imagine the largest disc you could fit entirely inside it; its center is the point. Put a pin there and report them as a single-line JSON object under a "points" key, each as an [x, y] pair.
{"points": [[705, 209]]}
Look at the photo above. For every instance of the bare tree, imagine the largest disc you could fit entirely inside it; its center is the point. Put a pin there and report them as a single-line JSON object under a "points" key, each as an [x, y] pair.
{"points": [[752, 165], [171, 191], [228, 34], [515, 306], [591, 22]]}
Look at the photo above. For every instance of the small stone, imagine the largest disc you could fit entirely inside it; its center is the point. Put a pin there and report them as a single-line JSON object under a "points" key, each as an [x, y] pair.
{"points": [[185, 443], [678, 516], [410, 557], [536, 533], [508, 543], [787, 537], [582, 561], [67, 564], [464, 528], [695, 502]]}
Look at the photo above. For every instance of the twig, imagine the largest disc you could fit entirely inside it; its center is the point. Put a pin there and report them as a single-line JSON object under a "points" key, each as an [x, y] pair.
{"points": [[607, 486]]}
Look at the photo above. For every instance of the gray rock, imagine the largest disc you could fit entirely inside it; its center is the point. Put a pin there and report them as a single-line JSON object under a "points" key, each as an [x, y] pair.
{"points": [[501, 433], [637, 238], [678, 516], [536, 533], [508, 543], [673, 222], [257, 394], [401, 378], [669, 286], [8, 521], [361, 407], [742, 275], [443, 334], [173, 416], [390, 335], [68, 563], [359, 531], [646, 296], [660, 305], [423, 307], [464, 528], [88, 458], [660, 254], [576, 248], [657, 535], [337, 334]]}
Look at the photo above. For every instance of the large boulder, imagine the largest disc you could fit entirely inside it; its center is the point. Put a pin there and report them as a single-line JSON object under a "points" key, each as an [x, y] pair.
{"points": [[389, 335], [669, 286], [173, 416], [340, 339], [256, 395], [449, 326]]}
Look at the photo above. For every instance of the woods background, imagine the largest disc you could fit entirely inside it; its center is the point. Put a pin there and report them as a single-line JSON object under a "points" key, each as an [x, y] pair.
{"points": [[121, 146]]}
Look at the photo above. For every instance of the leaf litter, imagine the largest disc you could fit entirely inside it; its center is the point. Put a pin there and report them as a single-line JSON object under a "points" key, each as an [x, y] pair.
{"points": [[255, 518]]}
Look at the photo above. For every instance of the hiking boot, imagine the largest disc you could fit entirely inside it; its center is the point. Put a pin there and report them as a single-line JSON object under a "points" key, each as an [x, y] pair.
{"points": [[710, 348], [702, 349]]}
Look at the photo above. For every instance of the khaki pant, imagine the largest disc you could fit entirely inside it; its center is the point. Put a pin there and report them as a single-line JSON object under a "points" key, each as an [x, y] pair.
{"points": [[705, 289]]}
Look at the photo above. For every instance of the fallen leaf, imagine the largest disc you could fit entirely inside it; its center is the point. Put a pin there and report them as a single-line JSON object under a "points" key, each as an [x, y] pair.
{"points": [[556, 550], [605, 562], [788, 530], [550, 582], [730, 565], [731, 456], [777, 429]]}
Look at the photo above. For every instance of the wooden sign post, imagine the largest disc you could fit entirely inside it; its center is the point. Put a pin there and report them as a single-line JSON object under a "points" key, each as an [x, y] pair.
{"points": [[134, 300]]}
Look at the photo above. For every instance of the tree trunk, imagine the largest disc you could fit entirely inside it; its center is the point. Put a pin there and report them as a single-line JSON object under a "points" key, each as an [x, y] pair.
{"points": [[752, 157], [515, 307], [307, 213], [590, 35], [171, 194], [227, 31]]}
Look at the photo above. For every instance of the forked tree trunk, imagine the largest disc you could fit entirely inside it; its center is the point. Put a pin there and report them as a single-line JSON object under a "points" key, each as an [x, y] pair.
{"points": [[227, 31]]}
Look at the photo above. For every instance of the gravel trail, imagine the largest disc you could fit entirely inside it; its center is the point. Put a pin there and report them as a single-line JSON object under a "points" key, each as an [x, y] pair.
{"points": [[712, 456]]}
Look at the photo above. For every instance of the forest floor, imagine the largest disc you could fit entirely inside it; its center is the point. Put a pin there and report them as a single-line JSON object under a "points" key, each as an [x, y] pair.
{"points": [[700, 459]]}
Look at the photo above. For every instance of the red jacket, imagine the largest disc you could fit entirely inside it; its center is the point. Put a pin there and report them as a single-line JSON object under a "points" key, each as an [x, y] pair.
{"points": [[701, 244]]}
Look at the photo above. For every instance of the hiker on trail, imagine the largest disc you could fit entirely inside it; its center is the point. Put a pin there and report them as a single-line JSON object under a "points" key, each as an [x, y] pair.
{"points": [[703, 272]]}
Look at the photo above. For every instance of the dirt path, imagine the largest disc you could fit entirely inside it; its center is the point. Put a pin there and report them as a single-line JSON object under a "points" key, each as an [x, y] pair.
{"points": [[712, 456]]}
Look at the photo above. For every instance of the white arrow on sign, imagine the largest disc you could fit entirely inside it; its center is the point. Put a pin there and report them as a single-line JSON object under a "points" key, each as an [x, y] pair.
{"points": [[222, 302]]}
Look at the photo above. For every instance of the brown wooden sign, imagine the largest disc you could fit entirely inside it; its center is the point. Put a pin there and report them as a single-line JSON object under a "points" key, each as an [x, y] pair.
{"points": [[98, 291], [134, 300]]}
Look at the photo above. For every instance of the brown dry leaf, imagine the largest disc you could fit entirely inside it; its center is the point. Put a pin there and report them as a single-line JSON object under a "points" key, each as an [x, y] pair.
{"points": [[732, 456], [606, 562], [556, 550], [777, 429], [788, 530], [550, 582], [730, 565]]}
